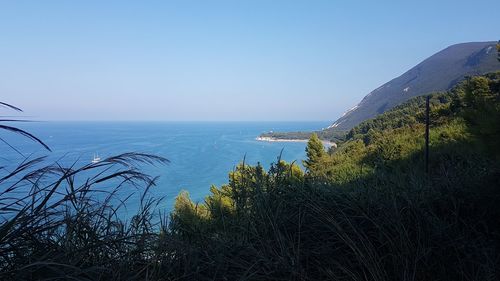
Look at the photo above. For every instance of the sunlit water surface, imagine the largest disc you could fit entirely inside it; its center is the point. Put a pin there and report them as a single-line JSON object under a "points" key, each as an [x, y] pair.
{"points": [[200, 153]]}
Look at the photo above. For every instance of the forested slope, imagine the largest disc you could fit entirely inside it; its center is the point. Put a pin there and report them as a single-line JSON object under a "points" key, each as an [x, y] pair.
{"points": [[366, 210]]}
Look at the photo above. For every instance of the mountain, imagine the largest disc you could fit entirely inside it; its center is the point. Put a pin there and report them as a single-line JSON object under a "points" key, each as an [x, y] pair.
{"points": [[439, 72]]}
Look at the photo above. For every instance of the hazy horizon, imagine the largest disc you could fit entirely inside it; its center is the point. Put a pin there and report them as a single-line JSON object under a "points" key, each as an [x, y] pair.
{"points": [[35, 119], [221, 61]]}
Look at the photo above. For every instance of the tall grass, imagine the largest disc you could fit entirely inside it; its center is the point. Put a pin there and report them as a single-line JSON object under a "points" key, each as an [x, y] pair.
{"points": [[59, 222], [303, 231]]}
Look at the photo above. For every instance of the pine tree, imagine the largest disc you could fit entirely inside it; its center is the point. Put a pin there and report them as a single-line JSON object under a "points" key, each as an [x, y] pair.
{"points": [[315, 152], [482, 112]]}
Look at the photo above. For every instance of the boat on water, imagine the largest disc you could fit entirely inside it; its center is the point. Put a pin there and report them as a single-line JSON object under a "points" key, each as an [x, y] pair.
{"points": [[96, 159]]}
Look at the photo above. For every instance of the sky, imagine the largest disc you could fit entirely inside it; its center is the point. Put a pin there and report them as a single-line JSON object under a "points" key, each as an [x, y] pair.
{"points": [[219, 60]]}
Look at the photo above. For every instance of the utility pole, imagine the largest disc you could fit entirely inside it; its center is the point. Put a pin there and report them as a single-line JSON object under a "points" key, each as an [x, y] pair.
{"points": [[427, 109]]}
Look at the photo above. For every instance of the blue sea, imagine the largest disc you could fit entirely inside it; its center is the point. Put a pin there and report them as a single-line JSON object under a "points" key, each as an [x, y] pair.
{"points": [[201, 153]]}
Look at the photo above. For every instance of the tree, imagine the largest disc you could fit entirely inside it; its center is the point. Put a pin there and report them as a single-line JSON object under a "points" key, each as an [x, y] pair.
{"points": [[482, 108], [315, 152], [498, 50], [188, 219]]}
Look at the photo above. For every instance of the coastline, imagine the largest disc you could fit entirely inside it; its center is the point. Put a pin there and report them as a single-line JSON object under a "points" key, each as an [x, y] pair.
{"points": [[271, 139]]}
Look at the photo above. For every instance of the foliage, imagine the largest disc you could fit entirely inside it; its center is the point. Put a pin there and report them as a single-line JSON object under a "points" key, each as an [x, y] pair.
{"points": [[315, 153], [481, 97], [368, 211]]}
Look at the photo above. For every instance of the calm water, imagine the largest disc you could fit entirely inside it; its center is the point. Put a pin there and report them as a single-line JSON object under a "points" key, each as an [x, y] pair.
{"points": [[201, 154]]}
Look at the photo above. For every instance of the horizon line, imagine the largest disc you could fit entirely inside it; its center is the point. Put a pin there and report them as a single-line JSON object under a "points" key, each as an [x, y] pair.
{"points": [[180, 121]]}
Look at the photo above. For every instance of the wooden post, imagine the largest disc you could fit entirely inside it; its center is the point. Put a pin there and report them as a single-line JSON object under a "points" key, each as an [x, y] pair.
{"points": [[427, 109]]}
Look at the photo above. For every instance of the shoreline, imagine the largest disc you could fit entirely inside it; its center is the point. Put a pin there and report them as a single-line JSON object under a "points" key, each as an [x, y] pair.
{"points": [[271, 139]]}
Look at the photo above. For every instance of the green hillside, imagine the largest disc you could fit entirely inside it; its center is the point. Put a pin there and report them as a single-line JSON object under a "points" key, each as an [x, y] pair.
{"points": [[439, 72], [367, 210]]}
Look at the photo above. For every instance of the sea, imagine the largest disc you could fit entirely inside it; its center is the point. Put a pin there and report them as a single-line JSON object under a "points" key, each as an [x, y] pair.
{"points": [[201, 154]]}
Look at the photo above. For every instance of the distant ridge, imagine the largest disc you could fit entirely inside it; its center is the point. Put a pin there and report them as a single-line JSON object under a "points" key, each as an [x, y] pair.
{"points": [[439, 72]]}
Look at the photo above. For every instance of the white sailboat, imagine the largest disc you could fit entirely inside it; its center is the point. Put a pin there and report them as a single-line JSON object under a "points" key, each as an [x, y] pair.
{"points": [[96, 159]]}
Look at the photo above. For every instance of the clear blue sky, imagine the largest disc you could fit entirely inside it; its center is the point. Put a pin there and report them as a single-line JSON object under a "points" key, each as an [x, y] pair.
{"points": [[219, 60]]}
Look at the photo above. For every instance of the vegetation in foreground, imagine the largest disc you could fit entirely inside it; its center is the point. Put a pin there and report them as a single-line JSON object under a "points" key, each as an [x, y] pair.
{"points": [[364, 211]]}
